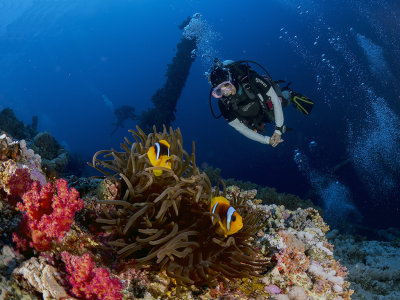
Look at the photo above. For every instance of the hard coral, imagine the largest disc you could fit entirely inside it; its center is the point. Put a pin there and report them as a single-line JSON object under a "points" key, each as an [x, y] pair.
{"points": [[54, 156], [8, 148], [16, 179], [46, 145], [374, 266], [89, 282], [19, 167], [303, 256], [49, 212], [165, 221]]}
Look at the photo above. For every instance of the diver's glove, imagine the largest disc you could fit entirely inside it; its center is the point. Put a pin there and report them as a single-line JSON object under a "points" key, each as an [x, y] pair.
{"points": [[275, 139]]}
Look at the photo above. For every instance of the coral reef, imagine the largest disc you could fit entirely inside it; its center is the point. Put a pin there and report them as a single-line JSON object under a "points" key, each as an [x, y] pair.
{"points": [[9, 289], [54, 157], [152, 237], [304, 258], [19, 167], [374, 266], [46, 145], [43, 277], [9, 221]]}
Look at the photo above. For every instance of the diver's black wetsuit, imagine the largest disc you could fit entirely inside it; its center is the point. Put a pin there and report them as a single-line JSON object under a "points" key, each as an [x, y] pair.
{"points": [[258, 100]]}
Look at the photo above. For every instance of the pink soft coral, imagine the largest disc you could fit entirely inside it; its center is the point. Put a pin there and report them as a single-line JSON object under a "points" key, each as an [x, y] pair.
{"points": [[19, 182], [49, 212], [89, 282]]}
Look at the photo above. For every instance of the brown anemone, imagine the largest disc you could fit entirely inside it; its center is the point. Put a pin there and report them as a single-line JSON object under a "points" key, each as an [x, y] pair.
{"points": [[164, 222]]}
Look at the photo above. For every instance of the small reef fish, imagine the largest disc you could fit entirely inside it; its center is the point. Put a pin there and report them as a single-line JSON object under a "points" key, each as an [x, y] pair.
{"points": [[159, 156], [231, 222]]}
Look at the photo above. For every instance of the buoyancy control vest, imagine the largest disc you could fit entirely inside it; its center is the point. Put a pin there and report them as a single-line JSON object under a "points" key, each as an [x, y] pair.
{"points": [[251, 104]]}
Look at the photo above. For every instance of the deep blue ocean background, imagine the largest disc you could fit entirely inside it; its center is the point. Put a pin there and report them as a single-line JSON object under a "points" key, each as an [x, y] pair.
{"points": [[72, 62]]}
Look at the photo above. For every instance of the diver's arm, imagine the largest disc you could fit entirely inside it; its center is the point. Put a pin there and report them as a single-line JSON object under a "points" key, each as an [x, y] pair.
{"points": [[247, 132], [267, 87], [278, 112]]}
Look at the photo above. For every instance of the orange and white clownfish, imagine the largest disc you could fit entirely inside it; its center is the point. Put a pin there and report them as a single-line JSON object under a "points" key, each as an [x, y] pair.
{"points": [[231, 222], [159, 156]]}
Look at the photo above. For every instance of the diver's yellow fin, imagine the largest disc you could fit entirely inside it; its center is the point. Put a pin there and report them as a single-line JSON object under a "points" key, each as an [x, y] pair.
{"points": [[302, 103]]}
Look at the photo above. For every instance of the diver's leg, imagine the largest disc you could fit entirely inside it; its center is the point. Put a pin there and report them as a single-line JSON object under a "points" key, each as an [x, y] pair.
{"points": [[286, 98]]}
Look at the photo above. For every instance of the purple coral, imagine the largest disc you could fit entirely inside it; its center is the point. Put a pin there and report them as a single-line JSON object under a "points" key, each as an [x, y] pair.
{"points": [[273, 289]]}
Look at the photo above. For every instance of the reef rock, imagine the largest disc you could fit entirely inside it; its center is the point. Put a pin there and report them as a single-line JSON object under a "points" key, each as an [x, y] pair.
{"points": [[18, 166], [374, 266], [43, 277], [305, 266], [54, 157]]}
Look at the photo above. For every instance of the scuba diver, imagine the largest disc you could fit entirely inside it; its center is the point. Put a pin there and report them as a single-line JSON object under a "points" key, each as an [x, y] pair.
{"points": [[123, 113], [248, 100]]}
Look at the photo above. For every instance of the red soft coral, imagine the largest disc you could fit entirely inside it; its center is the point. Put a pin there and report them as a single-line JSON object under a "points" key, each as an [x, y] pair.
{"points": [[17, 184], [49, 212], [89, 282]]}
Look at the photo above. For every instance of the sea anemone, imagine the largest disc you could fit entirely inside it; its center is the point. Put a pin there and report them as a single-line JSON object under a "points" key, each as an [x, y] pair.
{"points": [[164, 222]]}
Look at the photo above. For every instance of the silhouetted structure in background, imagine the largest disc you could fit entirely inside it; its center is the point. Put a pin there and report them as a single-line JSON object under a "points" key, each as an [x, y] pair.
{"points": [[166, 98]]}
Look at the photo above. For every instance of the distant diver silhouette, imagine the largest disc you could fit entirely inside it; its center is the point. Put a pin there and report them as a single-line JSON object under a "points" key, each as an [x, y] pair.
{"points": [[123, 113]]}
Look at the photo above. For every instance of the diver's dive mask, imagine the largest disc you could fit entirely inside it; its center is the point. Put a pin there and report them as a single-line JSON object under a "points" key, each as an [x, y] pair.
{"points": [[224, 89]]}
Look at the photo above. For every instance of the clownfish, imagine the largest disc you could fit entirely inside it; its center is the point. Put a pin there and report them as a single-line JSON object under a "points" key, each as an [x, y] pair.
{"points": [[159, 156], [231, 222]]}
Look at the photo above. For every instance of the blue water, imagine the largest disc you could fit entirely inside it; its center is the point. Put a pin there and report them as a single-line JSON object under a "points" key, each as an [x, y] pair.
{"points": [[72, 62]]}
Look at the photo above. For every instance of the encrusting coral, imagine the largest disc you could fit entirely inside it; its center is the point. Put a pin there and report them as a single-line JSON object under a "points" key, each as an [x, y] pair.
{"points": [[164, 222]]}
